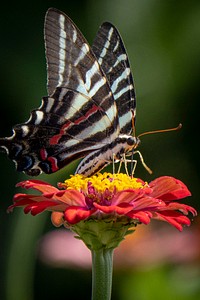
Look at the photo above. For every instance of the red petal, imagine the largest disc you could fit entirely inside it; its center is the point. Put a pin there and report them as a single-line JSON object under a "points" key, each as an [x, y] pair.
{"points": [[141, 216], [39, 185], [174, 218], [75, 214], [168, 188], [148, 203], [21, 203], [38, 207], [71, 197], [185, 209], [127, 196], [22, 200], [122, 209], [60, 198]]}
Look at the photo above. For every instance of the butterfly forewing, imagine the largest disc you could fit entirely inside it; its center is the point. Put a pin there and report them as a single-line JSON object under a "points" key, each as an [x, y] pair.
{"points": [[89, 105], [70, 61], [72, 64], [112, 57]]}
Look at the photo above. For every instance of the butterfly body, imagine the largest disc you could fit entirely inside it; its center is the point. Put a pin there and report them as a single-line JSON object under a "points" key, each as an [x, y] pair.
{"points": [[90, 108], [102, 157]]}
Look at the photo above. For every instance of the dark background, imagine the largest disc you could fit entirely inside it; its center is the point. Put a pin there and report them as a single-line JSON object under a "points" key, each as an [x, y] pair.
{"points": [[162, 39]]}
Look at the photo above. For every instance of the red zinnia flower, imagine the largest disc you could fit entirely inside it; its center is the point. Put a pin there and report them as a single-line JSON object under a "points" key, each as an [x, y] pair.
{"points": [[108, 197]]}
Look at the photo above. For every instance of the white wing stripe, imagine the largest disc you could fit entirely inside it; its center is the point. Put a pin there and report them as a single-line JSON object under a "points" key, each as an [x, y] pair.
{"points": [[74, 36], [72, 111], [106, 46], [84, 50], [97, 86], [111, 113], [25, 130], [119, 79], [100, 126], [121, 58], [89, 74], [124, 90], [125, 119], [116, 46], [50, 104], [39, 117], [62, 53]]}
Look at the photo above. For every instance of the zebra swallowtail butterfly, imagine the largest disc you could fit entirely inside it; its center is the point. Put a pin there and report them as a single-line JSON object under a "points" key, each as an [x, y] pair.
{"points": [[90, 108]]}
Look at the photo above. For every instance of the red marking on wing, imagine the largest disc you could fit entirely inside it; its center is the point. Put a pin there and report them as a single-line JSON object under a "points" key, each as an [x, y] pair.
{"points": [[43, 154], [55, 139], [53, 161], [86, 116]]}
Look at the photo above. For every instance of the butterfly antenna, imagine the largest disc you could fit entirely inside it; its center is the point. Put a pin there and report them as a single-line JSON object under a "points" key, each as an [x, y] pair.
{"points": [[133, 123], [145, 133], [143, 162], [161, 131]]}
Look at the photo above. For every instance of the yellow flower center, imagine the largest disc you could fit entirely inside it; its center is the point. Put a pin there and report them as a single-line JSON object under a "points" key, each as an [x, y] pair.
{"points": [[101, 182]]}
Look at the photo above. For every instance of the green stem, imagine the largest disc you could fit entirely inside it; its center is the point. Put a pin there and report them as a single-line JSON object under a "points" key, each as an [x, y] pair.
{"points": [[102, 266]]}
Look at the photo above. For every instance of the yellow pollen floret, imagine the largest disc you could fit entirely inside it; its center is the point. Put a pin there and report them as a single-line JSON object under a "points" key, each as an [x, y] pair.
{"points": [[102, 182]]}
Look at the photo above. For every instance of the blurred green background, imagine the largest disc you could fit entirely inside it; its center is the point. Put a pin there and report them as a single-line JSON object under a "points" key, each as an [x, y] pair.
{"points": [[163, 42]]}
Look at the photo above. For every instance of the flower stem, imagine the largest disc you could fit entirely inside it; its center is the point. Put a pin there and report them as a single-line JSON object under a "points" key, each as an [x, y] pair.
{"points": [[102, 266]]}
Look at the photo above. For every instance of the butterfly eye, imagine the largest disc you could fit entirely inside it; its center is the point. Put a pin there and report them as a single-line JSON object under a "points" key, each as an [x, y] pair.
{"points": [[131, 141]]}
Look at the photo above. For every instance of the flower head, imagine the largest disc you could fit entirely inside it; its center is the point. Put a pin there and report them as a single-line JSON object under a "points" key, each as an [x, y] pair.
{"points": [[106, 196]]}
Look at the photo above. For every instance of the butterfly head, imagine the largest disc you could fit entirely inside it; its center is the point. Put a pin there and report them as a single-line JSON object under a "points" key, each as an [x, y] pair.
{"points": [[127, 144]]}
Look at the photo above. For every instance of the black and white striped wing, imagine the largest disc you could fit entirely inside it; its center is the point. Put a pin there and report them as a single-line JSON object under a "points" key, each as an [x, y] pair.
{"points": [[113, 59], [78, 116]]}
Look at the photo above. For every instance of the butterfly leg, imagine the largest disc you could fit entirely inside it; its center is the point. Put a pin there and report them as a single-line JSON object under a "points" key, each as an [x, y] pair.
{"points": [[120, 165], [123, 160], [133, 166], [143, 163], [125, 163], [113, 162], [134, 163]]}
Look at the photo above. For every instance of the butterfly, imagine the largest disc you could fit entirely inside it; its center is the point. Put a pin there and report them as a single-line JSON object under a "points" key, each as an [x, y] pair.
{"points": [[90, 109]]}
